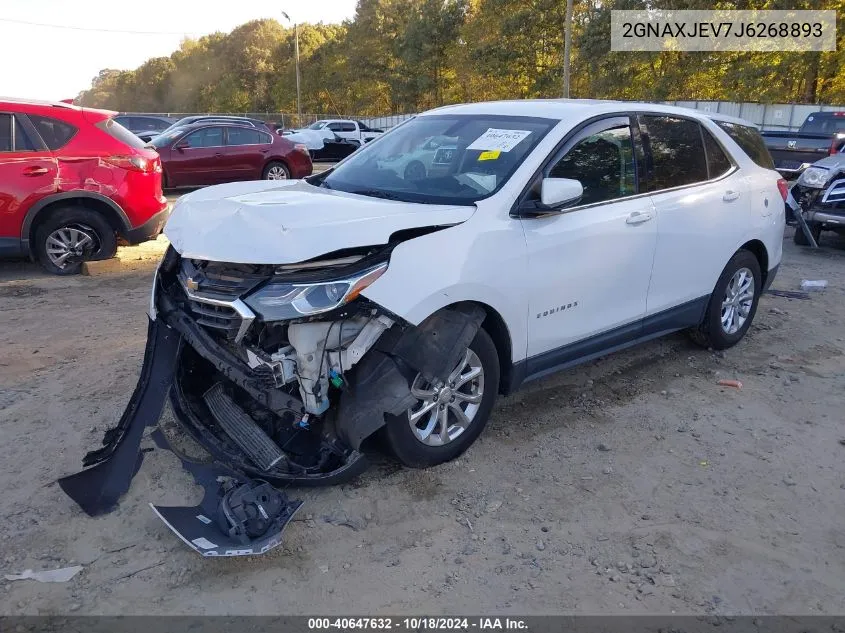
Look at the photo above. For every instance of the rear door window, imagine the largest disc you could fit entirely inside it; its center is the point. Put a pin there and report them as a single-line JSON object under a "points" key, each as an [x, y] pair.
{"points": [[718, 164], [749, 139], [675, 152], [347, 127], [242, 136], [56, 134]]}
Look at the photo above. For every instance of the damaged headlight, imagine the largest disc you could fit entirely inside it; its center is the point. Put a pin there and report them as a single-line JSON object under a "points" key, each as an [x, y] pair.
{"points": [[814, 177], [282, 301]]}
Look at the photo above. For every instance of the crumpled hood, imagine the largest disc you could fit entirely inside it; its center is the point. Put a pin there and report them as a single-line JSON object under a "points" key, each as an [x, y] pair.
{"points": [[271, 222], [834, 163]]}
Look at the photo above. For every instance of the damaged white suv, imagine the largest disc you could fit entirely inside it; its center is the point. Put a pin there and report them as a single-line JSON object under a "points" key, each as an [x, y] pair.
{"points": [[292, 321]]}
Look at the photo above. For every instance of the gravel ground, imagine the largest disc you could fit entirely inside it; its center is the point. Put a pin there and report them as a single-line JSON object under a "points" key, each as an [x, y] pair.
{"points": [[633, 484]]}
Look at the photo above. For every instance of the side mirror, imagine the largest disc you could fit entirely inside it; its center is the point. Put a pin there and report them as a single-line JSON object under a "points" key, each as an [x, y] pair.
{"points": [[555, 195], [556, 192], [181, 145]]}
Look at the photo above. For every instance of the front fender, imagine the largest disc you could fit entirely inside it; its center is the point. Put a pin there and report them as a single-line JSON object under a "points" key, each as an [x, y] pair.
{"points": [[480, 261]]}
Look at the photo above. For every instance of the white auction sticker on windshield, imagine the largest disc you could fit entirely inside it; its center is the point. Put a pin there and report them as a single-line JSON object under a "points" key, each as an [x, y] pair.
{"points": [[502, 140]]}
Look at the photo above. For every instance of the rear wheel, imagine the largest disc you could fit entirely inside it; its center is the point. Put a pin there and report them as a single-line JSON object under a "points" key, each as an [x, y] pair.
{"points": [[71, 236], [448, 415], [732, 305], [276, 171]]}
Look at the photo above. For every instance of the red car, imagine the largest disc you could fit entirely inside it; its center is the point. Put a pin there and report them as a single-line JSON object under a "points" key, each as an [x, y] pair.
{"points": [[210, 153], [73, 182]]}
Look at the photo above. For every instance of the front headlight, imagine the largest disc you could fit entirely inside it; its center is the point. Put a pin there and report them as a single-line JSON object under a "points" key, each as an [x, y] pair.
{"points": [[282, 301], [814, 177]]}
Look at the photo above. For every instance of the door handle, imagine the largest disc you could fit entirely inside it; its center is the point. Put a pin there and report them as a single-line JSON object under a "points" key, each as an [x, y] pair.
{"points": [[730, 196], [638, 217], [218, 153], [35, 171]]}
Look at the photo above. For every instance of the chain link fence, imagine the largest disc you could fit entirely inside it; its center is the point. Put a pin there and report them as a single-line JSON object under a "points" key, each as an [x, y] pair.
{"points": [[775, 116]]}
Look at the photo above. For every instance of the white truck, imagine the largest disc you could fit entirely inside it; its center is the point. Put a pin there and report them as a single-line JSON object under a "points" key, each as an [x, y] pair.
{"points": [[348, 129]]}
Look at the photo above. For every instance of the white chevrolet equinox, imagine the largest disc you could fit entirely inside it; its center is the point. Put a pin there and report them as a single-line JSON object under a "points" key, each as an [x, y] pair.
{"points": [[468, 251]]}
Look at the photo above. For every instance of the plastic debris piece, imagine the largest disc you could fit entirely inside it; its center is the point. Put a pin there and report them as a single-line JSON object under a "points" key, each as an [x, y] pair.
{"points": [[52, 575], [730, 383], [817, 284]]}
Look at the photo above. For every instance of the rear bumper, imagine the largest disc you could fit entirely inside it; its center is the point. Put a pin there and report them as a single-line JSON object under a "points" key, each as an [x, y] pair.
{"points": [[150, 229]]}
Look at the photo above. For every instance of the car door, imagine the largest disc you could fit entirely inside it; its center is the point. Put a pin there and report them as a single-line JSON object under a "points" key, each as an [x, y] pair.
{"points": [[246, 152], [28, 172], [702, 204], [589, 264], [195, 159]]}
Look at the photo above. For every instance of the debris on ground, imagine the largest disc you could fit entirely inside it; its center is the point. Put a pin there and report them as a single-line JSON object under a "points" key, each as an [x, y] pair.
{"points": [[811, 285], [736, 384], [52, 575]]}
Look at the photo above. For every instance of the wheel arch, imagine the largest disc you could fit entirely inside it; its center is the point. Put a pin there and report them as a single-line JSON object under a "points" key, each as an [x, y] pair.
{"points": [[110, 210], [496, 327], [758, 249]]}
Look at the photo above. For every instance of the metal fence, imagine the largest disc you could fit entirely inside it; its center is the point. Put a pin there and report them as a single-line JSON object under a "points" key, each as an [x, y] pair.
{"points": [[774, 116]]}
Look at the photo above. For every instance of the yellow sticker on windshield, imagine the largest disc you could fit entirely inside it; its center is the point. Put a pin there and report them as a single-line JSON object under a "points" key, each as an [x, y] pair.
{"points": [[490, 155]]}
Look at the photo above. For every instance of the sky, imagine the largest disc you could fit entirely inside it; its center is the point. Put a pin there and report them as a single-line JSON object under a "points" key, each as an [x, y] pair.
{"points": [[41, 62]]}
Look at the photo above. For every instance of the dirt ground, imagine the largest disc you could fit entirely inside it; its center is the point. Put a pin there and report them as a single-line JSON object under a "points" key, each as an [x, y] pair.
{"points": [[633, 484]]}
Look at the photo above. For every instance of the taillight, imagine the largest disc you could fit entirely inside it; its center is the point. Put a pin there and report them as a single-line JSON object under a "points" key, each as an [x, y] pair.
{"points": [[783, 188], [836, 144], [133, 163]]}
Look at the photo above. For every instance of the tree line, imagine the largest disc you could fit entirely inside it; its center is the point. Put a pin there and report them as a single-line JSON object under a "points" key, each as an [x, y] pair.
{"points": [[397, 56]]}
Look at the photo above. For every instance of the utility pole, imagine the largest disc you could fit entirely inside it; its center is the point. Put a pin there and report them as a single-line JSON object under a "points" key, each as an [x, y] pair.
{"points": [[296, 55], [567, 48]]}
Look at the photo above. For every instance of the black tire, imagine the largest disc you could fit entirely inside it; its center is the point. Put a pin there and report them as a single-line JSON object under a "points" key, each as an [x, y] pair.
{"points": [[274, 165], [801, 240], [90, 222], [710, 332], [412, 452]]}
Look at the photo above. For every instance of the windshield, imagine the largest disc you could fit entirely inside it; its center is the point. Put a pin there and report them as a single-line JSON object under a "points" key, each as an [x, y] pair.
{"points": [[317, 126], [166, 137], [441, 159]]}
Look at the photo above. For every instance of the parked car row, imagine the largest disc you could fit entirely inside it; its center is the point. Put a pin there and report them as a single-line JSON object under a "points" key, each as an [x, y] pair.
{"points": [[74, 182]]}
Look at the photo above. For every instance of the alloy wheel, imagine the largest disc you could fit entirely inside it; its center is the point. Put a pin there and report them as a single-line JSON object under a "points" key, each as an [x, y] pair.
{"points": [[446, 409], [277, 172], [737, 302], [70, 244]]}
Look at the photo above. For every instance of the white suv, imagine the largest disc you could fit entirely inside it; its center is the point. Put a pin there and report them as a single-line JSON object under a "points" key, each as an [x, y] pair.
{"points": [[367, 299]]}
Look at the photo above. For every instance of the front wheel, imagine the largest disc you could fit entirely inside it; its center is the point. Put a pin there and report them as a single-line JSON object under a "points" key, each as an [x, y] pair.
{"points": [[71, 236], [276, 171], [449, 415], [732, 305]]}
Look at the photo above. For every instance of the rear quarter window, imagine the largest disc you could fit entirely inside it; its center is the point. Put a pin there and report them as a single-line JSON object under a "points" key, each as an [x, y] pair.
{"points": [[117, 131], [55, 134], [749, 140]]}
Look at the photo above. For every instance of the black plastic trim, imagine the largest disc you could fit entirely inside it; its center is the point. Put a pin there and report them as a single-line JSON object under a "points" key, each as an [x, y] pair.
{"points": [[680, 317], [11, 247]]}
